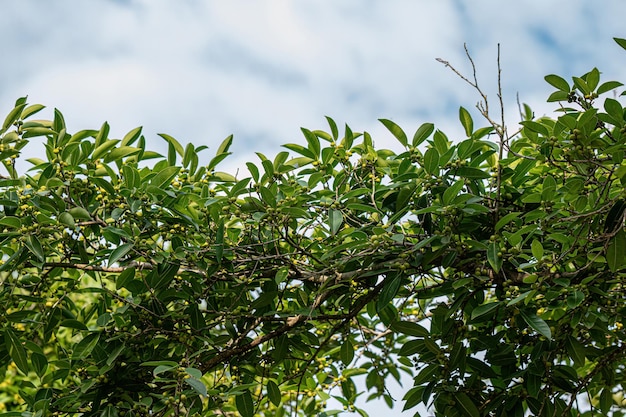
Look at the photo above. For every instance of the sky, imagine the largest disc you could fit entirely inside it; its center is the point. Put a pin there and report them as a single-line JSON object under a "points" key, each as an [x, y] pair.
{"points": [[261, 70]]}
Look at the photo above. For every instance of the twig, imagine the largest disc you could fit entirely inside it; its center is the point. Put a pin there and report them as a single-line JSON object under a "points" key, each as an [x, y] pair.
{"points": [[483, 108]]}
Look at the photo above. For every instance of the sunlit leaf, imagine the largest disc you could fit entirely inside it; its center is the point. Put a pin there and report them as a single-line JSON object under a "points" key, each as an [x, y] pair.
{"points": [[422, 133], [466, 121], [431, 161], [558, 82], [396, 131]]}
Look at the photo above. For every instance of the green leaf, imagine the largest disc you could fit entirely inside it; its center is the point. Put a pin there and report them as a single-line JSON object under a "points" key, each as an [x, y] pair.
{"points": [[113, 355], [34, 245], [102, 134], [333, 127], [244, 404], [427, 374], [507, 219], [216, 161], [452, 191], [592, 78], [576, 351], [268, 196], [160, 363], [621, 42], [313, 141], [548, 188], [225, 145], [131, 137], [608, 86], [413, 397], [606, 400], [335, 220], [118, 154], [466, 405], [301, 150], [254, 171], [31, 110], [13, 115], [124, 278], [83, 348], [67, 219], [101, 150], [492, 257], [409, 328], [225, 177], [273, 392], [466, 121], [396, 131], [164, 274], [613, 108], [39, 363], [389, 291], [558, 82], [16, 350], [575, 298], [472, 173], [431, 161], [581, 85], [164, 177], [536, 323], [484, 310], [109, 411], [174, 143], [535, 127], [119, 253], [441, 142], [159, 369], [79, 213], [422, 133], [197, 385], [537, 249], [11, 222], [73, 324], [558, 96], [616, 250], [219, 242], [347, 352]]}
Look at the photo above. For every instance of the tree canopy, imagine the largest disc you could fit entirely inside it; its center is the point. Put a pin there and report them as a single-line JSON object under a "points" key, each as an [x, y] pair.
{"points": [[488, 269]]}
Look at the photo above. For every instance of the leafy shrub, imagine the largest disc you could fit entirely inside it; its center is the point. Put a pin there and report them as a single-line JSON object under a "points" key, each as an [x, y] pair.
{"points": [[490, 268]]}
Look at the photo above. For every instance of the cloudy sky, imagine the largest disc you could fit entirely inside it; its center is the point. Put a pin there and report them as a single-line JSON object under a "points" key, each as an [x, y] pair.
{"points": [[201, 70]]}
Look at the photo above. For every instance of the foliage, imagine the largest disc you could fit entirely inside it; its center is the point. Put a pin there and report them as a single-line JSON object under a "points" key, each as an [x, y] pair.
{"points": [[490, 268]]}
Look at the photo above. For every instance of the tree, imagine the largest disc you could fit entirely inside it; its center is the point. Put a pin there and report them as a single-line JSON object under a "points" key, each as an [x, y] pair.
{"points": [[490, 269]]}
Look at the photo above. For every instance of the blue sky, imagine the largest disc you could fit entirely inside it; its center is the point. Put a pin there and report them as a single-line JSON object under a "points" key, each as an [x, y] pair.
{"points": [[201, 70]]}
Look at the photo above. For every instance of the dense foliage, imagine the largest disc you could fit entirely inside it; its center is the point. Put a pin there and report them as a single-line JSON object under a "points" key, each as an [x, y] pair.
{"points": [[489, 267]]}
